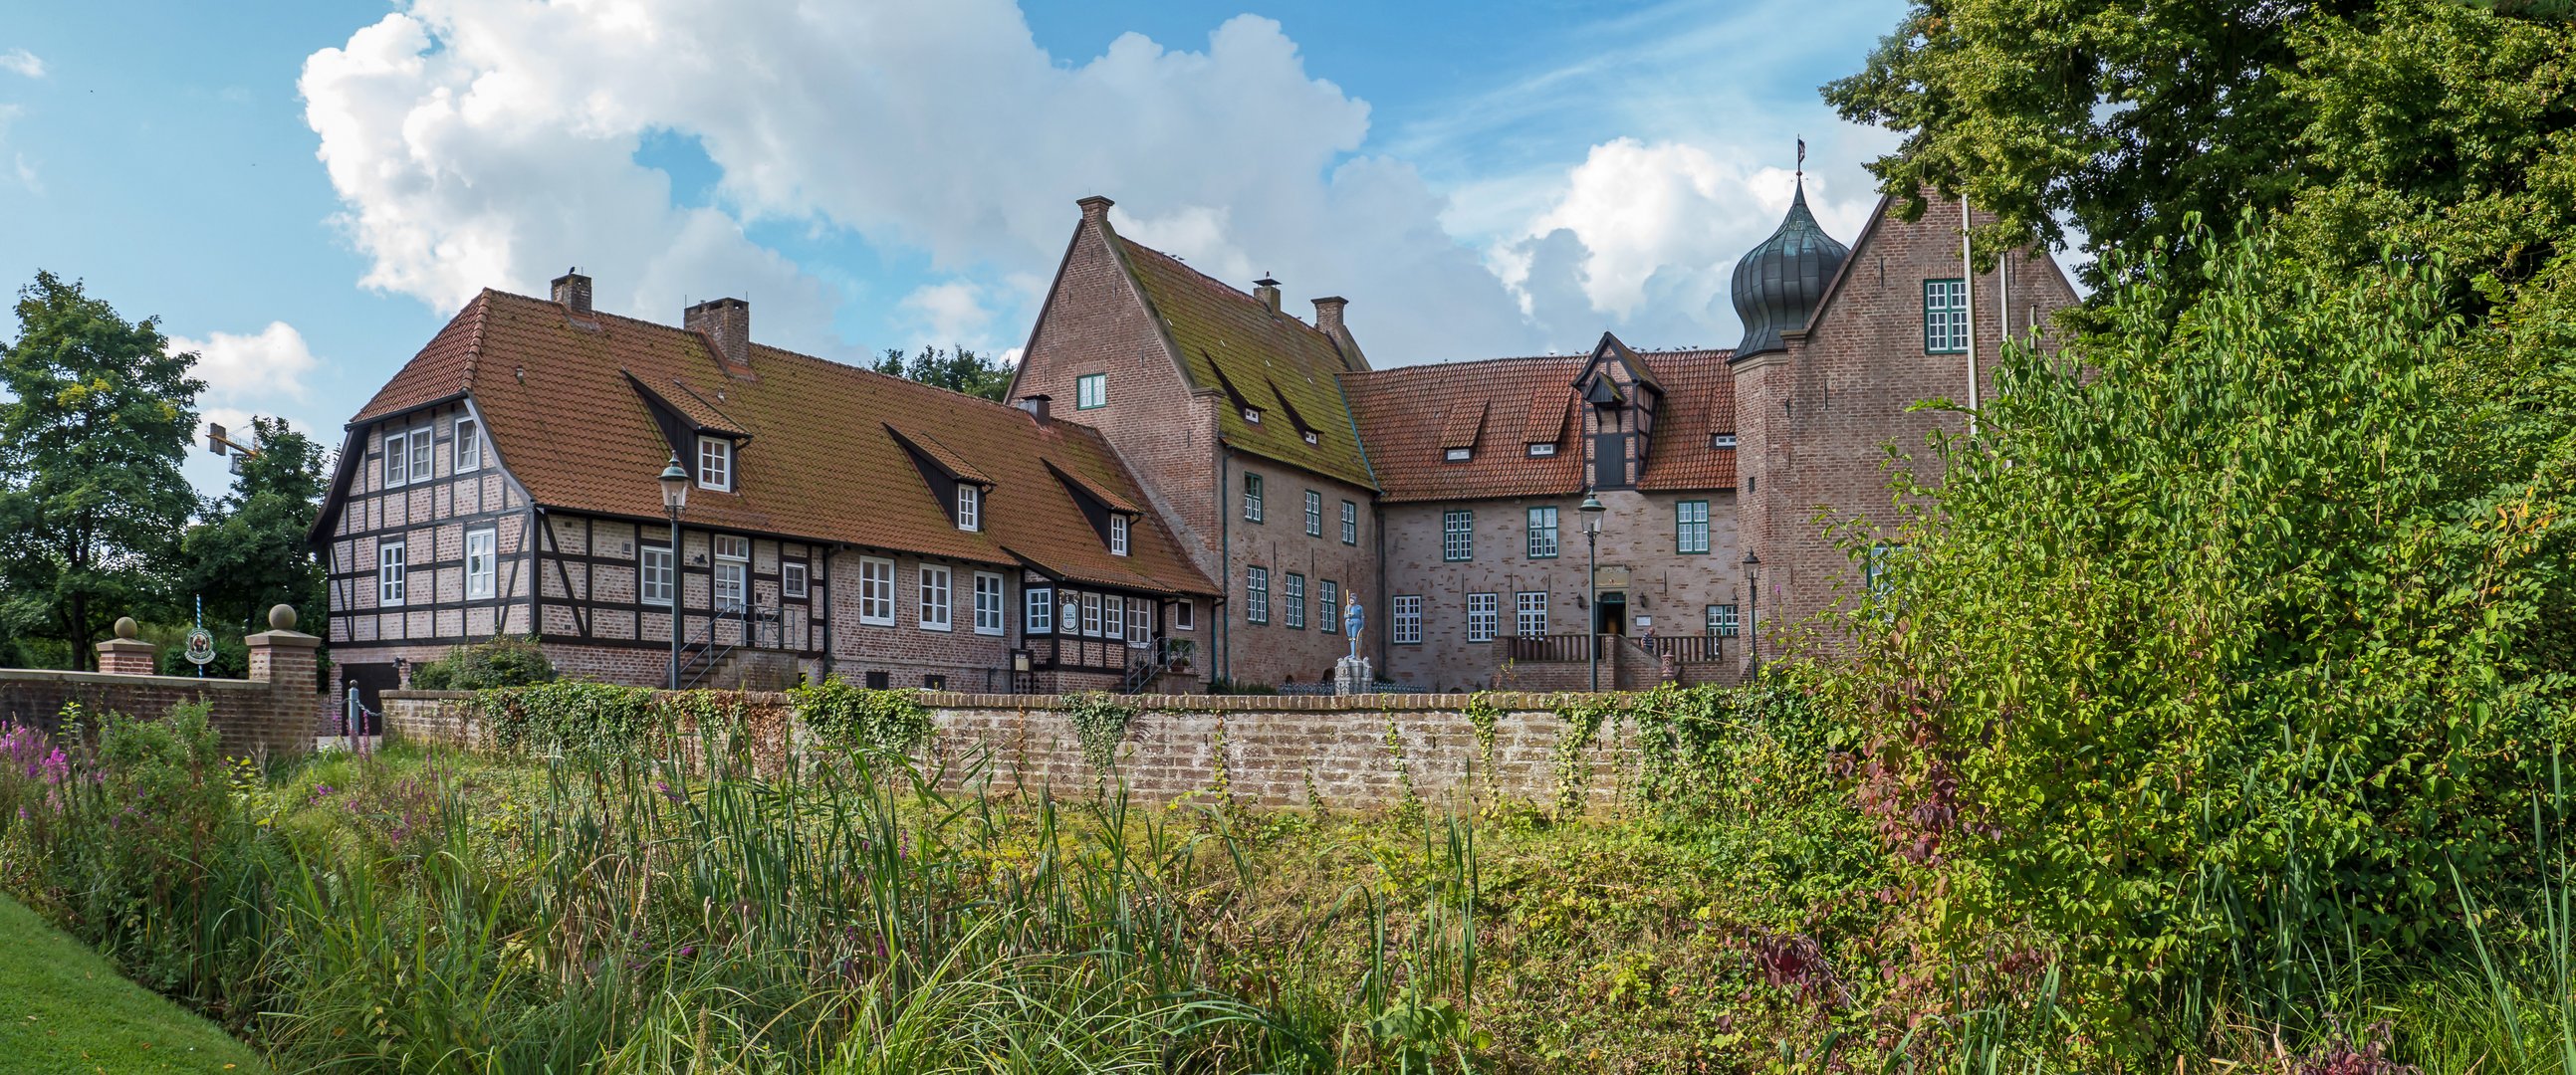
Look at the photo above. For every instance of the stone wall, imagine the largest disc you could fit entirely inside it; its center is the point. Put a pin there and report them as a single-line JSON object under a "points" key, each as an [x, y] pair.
{"points": [[1272, 751], [270, 713]]}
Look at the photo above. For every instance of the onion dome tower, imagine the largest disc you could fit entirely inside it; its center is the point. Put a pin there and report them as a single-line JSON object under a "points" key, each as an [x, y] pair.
{"points": [[1778, 283]]}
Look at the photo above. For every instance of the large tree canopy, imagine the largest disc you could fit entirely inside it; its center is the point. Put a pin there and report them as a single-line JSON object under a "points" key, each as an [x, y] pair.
{"points": [[956, 369], [92, 500], [2431, 126]]}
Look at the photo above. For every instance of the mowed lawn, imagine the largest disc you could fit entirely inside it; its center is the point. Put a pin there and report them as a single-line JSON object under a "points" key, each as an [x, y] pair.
{"points": [[65, 1011]]}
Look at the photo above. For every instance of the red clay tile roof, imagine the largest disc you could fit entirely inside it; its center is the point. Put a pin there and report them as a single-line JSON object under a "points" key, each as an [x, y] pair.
{"points": [[1408, 415], [819, 465], [1699, 399], [1401, 414], [1465, 420], [1233, 341]]}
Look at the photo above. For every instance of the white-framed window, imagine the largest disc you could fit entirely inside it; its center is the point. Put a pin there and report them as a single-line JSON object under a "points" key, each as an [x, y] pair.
{"points": [[1312, 438], [792, 580], [1529, 613], [1484, 616], [1721, 440], [1252, 415], [1882, 561], [1690, 526], [1722, 621], [1407, 628], [1070, 621], [1542, 533], [1457, 536], [1038, 615], [1117, 535], [1140, 622], [876, 591], [1350, 523], [421, 447], [733, 569], [988, 603], [1292, 599], [389, 573], [653, 583], [1252, 498], [1328, 606], [1458, 455], [468, 454], [1091, 615], [1090, 390], [715, 464], [970, 507], [1185, 615], [480, 546], [1541, 451], [1256, 595], [1314, 513], [934, 597], [1945, 316], [397, 459]]}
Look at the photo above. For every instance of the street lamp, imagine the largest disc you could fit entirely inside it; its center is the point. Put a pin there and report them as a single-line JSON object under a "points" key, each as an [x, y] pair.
{"points": [[1592, 510], [675, 498], [1753, 613]]}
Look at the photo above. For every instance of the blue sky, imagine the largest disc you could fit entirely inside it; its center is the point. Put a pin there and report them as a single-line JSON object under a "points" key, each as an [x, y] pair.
{"points": [[304, 192]]}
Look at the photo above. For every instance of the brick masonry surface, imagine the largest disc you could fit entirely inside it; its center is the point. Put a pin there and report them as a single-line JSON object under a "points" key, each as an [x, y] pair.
{"points": [[1277, 751], [270, 713]]}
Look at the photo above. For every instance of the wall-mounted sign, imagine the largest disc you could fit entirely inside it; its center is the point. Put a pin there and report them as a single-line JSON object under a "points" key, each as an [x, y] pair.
{"points": [[201, 647], [1610, 577]]}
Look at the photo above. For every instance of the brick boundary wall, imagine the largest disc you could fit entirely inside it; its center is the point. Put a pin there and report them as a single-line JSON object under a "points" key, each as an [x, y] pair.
{"points": [[269, 713], [1278, 751]]}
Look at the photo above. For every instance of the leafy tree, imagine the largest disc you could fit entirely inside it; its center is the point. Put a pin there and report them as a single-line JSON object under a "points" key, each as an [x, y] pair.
{"points": [[98, 419], [955, 369], [2233, 632], [2432, 125], [249, 552]]}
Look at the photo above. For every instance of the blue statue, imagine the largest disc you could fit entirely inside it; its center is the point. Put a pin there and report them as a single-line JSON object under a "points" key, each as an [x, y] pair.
{"points": [[1352, 620]]}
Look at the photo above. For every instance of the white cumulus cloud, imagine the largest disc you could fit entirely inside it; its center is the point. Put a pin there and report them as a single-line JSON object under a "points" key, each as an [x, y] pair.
{"points": [[22, 62], [250, 369], [478, 143]]}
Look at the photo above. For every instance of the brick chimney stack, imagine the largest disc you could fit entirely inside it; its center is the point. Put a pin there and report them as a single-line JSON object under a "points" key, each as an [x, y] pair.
{"points": [[1328, 313], [1267, 290], [572, 292], [1095, 209], [726, 323]]}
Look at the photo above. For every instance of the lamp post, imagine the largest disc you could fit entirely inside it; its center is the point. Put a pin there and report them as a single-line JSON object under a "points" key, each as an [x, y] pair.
{"points": [[675, 498], [1592, 510], [1753, 611]]}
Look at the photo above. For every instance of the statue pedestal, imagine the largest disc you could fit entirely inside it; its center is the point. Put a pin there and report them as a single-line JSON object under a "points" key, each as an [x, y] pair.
{"points": [[1351, 675]]}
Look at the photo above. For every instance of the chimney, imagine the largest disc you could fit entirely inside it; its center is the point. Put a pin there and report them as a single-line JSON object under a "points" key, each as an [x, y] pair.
{"points": [[1036, 405], [1095, 209], [572, 292], [726, 323], [1267, 290], [1328, 313]]}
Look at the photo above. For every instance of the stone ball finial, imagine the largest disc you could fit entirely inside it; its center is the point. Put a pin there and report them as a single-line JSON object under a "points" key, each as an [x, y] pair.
{"points": [[125, 626], [281, 617]]}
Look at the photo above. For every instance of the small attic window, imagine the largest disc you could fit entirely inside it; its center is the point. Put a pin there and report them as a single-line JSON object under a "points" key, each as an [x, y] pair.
{"points": [[1721, 440], [1459, 455], [1311, 438], [1542, 451], [1252, 415]]}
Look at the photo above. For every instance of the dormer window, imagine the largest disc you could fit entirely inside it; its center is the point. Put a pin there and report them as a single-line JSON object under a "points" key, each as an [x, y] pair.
{"points": [[970, 507], [715, 464], [1541, 451], [1117, 535], [1312, 439], [1459, 455], [1721, 440], [1252, 415]]}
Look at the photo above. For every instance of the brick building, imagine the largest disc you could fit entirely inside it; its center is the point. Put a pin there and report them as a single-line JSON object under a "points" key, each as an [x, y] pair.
{"points": [[1190, 483]]}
